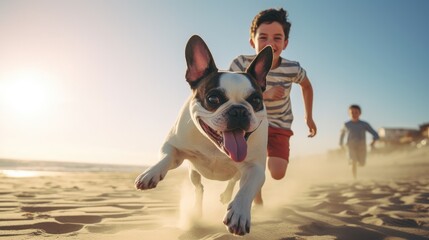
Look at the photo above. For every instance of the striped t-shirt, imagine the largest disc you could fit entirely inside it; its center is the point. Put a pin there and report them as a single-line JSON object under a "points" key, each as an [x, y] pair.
{"points": [[279, 111]]}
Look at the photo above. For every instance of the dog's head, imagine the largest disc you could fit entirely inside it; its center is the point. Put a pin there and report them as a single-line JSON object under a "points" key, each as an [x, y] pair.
{"points": [[226, 107]]}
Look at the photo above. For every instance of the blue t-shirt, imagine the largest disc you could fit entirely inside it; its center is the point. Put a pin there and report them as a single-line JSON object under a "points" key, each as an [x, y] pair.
{"points": [[356, 132]]}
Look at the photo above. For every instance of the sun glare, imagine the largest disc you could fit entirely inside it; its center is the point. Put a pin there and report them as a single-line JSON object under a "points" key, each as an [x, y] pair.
{"points": [[26, 173], [25, 93], [19, 173]]}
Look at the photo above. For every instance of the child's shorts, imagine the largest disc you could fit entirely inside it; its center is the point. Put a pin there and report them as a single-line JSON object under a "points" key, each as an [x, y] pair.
{"points": [[357, 152], [278, 142]]}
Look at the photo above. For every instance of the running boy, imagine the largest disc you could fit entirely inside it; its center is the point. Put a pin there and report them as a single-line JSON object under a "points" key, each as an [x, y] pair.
{"points": [[356, 139], [271, 27]]}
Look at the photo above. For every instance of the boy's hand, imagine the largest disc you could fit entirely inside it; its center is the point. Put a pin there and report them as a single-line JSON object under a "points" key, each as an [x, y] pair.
{"points": [[311, 127], [275, 93]]}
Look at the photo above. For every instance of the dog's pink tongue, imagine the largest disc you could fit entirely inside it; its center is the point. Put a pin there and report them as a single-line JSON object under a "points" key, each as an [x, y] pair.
{"points": [[235, 144]]}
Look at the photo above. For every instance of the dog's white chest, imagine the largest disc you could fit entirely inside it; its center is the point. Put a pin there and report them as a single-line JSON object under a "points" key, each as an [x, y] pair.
{"points": [[214, 166]]}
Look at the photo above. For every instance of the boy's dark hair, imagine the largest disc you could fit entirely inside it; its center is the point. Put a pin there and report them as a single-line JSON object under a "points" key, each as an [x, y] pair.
{"points": [[269, 16], [355, 106]]}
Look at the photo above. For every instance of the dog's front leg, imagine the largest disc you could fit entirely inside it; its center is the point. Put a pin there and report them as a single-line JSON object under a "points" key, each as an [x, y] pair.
{"points": [[152, 176], [225, 197], [237, 218]]}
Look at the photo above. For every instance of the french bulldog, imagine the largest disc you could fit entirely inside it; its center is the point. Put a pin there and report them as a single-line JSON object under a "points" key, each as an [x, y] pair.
{"points": [[221, 130]]}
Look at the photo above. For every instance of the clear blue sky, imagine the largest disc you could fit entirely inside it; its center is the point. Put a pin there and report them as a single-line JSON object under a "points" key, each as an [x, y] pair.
{"points": [[103, 81]]}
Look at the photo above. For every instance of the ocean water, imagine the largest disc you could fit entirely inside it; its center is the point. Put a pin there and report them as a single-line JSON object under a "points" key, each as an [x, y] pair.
{"points": [[8, 166]]}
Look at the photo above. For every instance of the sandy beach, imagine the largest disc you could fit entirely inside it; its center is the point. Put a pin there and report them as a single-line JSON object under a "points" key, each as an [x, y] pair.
{"points": [[317, 200]]}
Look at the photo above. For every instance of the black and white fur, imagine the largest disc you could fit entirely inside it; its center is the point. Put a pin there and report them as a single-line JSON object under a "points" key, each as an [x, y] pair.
{"points": [[222, 130]]}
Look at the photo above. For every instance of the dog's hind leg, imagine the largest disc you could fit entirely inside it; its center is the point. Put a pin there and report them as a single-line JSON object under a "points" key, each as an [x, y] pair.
{"points": [[226, 196], [199, 190]]}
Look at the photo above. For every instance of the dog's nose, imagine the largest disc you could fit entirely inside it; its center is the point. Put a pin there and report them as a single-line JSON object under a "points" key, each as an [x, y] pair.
{"points": [[237, 112], [238, 118]]}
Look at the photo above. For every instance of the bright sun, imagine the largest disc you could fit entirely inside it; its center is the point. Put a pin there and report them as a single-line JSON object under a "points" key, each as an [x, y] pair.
{"points": [[25, 93]]}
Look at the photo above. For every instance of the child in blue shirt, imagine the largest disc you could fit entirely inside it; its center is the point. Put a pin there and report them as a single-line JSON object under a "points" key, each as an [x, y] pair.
{"points": [[356, 139]]}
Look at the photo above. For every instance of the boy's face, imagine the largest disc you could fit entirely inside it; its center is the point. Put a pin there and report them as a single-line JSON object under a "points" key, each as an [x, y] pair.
{"points": [[270, 34], [354, 114]]}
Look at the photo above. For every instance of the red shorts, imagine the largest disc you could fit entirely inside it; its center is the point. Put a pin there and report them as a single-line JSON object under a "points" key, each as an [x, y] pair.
{"points": [[278, 142]]}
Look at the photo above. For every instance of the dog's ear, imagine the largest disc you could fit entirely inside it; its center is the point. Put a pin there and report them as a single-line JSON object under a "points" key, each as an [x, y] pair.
{"points": [[260, 66], [199, 60]]}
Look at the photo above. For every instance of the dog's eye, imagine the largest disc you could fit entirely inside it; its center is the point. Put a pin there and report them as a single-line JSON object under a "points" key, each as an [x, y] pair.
{"points": [[213, 99], [256, 101]]}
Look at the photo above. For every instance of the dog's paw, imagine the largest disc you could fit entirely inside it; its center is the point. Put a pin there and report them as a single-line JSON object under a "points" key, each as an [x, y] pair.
{"points": [[237, 219], [149, 179]]}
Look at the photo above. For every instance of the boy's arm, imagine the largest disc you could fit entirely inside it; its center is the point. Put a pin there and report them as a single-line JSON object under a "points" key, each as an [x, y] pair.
{"points": [[374, 134], [307, 94], [342, 134]]}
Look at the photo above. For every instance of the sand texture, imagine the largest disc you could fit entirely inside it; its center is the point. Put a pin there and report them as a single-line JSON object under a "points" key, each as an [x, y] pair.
{"points": [[317, 200]]}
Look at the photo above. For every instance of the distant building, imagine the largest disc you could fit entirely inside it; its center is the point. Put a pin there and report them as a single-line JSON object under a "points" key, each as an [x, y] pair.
{"points": [[395, 136], [424, 130]]}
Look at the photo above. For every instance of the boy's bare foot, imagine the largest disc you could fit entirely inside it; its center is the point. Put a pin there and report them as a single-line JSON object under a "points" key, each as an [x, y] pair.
{"points": [[277, 167]]}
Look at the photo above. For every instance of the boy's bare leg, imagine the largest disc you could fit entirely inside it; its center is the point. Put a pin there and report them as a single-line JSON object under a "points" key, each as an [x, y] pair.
{"points": [[354, 169], [277, 167], [258, 198]]}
